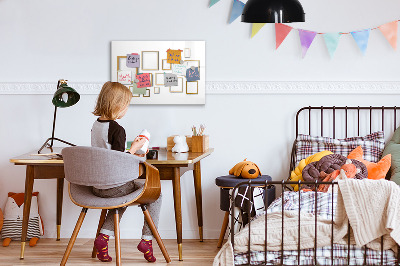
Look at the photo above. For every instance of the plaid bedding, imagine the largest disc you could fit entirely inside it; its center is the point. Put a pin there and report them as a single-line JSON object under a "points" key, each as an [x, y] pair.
{"points": [[322, 207], [372, 145]]}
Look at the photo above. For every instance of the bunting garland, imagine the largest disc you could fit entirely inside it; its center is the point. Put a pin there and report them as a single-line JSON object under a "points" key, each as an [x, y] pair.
{"points": [[361, 37], [237, 9], [389, 30], [306, 39], [213, 2], [281, 31], [332, 41], [256, 27]]}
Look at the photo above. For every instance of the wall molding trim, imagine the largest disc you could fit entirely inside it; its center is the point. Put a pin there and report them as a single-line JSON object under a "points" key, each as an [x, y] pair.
{"points": [[232, 87]]}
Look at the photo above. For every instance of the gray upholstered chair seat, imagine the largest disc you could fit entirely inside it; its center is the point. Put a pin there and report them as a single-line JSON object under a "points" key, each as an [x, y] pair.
{"points": [[83, 195]]}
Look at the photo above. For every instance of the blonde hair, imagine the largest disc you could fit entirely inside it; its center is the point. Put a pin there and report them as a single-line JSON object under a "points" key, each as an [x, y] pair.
{"points": [[112, 99]]}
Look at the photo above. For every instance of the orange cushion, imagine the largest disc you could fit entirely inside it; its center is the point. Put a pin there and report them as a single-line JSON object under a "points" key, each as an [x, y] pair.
{"points": [[375, 170]]}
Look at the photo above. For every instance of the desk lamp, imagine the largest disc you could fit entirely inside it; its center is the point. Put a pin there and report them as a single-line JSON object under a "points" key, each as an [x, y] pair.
{"points": [[273, 11], [64, 96]]}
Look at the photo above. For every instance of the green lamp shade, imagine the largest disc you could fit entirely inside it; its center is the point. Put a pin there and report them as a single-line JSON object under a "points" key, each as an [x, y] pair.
{"points": [[65, 96]]}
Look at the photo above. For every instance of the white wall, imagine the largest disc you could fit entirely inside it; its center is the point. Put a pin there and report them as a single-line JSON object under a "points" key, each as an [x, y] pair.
{"points": [[47, 40]]}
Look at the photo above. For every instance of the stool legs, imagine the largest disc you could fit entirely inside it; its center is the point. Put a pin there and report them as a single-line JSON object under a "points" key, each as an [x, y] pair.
{"points": [[101, 222], [223, 229], [117, 238], [156, 235], [73, 237]]}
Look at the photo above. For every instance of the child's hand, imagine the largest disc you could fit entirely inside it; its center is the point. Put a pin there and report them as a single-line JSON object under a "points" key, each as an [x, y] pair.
{"points": [[137, 144], [143, 155]]}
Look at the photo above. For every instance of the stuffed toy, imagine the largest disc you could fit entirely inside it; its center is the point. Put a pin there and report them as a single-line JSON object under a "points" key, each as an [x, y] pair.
{"points": [[180, 144], [245, 169], [348, 170], [13, 215], [328, 164], [296, 174], [375, 170]]}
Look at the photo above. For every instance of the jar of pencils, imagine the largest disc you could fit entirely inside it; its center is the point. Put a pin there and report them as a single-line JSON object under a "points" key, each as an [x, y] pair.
{"points": [[199, 140]]}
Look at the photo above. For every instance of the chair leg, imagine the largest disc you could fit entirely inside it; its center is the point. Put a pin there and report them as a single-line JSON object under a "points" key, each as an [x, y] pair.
{"points": [[117, 239], [101, 222], [73, 237], [154, 230], [223, 229]]}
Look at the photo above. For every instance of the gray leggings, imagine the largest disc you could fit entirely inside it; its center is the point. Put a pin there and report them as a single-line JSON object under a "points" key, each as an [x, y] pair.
{"points": [[154, 208]]}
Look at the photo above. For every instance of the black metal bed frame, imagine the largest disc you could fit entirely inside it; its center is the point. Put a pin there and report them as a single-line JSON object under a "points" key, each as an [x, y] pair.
{"points": [[283, 184]]}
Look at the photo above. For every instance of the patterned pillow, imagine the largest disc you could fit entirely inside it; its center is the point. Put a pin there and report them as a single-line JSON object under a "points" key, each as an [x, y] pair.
{"points": [[372, 144]]}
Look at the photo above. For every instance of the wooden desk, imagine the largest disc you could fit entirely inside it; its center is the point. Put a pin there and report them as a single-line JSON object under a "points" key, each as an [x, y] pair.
{"points": [[40, 167], [171, 167]]}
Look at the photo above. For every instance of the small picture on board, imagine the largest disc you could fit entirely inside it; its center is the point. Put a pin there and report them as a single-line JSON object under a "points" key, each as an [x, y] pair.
{"points": [[150, 60], [159, 79], [125, 77], [187, 53], [156, 90], [192, 87], [166, 65], [177, 89], [147, 94]]}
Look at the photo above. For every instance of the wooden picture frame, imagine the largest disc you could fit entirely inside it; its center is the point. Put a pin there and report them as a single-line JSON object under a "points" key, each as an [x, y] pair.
{"points": [[123, 63], [157, 90], [179, 88], [166, 65], [159, 79], [195, 63], [150, 60], [192, 87], [147, 93]]}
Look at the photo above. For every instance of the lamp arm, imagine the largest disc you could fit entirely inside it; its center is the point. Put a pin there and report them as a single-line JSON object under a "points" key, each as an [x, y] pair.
{"points": [[54, 126]]}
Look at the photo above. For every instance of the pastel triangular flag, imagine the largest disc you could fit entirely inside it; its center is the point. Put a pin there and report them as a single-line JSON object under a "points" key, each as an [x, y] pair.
{"points": [[237, 9], [361, 37], [332, 41], [213, 2], [389, 30], [256, 27], [281, 31], [306, 39]]}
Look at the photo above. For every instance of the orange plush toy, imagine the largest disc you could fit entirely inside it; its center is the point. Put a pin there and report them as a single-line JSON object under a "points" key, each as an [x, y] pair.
{"points": [[347, 170], [13, 214], [375, 170], [245, 169]]}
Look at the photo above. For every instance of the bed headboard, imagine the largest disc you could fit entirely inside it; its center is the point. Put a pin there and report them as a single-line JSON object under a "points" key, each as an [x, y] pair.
{"points": [[344, 121]]}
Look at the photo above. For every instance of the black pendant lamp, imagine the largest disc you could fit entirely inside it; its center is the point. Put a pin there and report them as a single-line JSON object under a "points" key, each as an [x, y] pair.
{"points": [[273, 11]]}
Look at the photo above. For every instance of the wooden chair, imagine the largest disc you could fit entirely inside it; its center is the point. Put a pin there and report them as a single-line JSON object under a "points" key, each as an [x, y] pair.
{"points": [[85, 167]]}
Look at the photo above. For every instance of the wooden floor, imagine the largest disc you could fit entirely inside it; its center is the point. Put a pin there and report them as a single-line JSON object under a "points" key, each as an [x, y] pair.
{"points": [[50, 252]]}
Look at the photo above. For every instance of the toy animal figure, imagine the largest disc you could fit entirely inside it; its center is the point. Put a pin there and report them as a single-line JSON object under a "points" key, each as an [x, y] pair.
{"points": [[347, 170], [180, 144], [13, 215], [245, 169]]}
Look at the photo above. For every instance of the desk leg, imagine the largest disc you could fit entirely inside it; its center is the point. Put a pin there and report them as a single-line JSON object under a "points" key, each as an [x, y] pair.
{"points": [[27, 206], [60, 190], [176, 182], [197, 189]]}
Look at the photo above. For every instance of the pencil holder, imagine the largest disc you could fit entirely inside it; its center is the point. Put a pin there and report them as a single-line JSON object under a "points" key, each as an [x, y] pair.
{"points": [[200, 143]]}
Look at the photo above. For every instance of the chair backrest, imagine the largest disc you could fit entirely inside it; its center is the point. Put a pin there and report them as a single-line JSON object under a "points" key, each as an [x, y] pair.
{"points": [[92, 166]]}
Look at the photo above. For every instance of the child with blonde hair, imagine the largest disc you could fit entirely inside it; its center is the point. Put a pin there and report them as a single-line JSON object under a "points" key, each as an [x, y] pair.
{"points": [[112, 104]]}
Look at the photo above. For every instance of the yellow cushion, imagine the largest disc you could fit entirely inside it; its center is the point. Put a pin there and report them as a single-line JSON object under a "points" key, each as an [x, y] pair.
{"points": [[296, 174]]}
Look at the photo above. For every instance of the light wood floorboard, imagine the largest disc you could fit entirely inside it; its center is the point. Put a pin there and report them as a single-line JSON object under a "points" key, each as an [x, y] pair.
{"points": [[50, 252]]}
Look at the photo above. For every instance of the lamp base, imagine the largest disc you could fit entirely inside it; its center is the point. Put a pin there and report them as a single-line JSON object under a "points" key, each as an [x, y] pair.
{"points": [[50, 146]]}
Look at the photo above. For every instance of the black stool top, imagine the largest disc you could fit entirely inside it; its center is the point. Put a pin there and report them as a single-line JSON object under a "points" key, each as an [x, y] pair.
{"points": [[230, 181]]}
